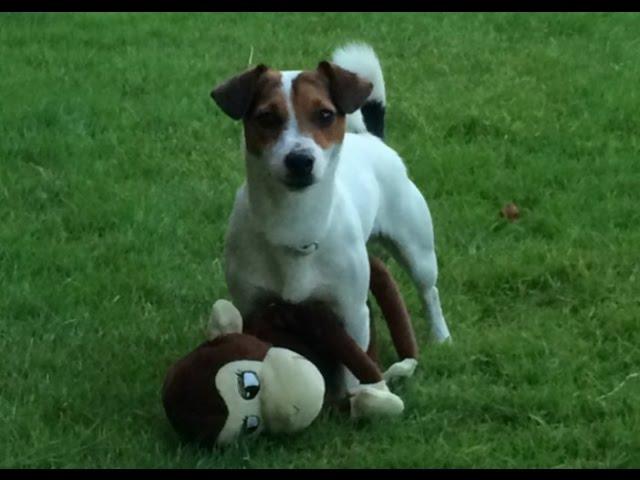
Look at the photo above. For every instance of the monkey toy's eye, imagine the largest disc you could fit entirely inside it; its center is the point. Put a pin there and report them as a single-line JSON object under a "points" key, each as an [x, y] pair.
{"points": [[250, 424], [248, 384]]}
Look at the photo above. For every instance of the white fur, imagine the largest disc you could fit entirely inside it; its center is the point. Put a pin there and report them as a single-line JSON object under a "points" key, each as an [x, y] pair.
{"points": [[361, 192]]}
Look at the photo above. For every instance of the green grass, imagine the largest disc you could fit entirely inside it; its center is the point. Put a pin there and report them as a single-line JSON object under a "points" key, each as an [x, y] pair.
{"points": [[117, 175]]}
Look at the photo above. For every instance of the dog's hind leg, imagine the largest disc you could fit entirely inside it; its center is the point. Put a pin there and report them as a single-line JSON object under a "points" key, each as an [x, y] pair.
{"points": [[410, 240]]}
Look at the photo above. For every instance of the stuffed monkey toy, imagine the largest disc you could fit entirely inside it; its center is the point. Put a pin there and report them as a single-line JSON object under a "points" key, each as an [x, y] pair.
{"points": [[276, 374]]}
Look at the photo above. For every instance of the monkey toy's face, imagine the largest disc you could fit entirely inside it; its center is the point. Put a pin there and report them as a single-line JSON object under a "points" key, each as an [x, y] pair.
{"points": [[237, 385]]}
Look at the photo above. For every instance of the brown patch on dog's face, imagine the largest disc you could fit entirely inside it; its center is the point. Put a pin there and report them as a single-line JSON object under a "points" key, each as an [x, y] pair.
{"points": [[268, 114], [348, 90], [315, 112]]}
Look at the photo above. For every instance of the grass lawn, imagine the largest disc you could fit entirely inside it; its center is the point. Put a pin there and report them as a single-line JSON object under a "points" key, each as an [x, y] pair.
{"points": [[117, 175]]}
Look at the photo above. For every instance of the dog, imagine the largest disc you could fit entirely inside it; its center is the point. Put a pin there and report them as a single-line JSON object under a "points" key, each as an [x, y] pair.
{"points": [[320, 184]]}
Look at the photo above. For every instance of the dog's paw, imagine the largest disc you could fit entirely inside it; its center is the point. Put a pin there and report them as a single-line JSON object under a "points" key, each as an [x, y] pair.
{"points": [[402, 369], [225, 318], [372, 401]]}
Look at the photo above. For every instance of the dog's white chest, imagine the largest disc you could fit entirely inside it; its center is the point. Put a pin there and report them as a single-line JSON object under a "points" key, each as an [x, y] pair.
{"points": [[300, 276]]}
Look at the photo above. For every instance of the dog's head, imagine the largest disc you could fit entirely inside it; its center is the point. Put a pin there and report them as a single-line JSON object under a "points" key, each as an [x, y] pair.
{"points": [[294, 121]]}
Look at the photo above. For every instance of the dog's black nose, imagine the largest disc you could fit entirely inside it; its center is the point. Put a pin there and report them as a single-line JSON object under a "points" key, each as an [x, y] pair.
{"points": [[299, 164]]}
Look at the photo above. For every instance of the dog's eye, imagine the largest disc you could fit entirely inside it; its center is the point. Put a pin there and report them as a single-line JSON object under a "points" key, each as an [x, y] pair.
{"points": [[268, 119], [250, 424], [324, 117], [248, 384]]}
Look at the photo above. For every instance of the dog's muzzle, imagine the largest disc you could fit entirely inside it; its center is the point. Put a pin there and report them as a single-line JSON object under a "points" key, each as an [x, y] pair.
{"points": [[299, 170]]}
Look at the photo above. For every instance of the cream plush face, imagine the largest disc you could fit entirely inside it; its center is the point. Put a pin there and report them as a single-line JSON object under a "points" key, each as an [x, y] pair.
{"points": [[239, 386], [293, 391], [282, 394]]}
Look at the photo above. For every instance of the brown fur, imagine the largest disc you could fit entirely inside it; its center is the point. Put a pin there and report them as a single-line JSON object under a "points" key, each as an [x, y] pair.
{"points": [[259, 89], [269, 97], [310, 91], [348, 90], [235, 95]]}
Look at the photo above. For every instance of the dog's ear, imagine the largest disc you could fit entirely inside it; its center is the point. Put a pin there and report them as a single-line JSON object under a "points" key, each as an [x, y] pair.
{"points": [[348, 90], [235, 95]]}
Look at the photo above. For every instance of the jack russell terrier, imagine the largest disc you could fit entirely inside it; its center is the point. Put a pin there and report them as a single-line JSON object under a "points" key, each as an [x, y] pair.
{"points": [[320, 184]]}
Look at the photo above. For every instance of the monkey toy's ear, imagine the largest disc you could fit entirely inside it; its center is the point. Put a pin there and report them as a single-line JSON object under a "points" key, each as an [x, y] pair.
{"points": [[225, 319]]}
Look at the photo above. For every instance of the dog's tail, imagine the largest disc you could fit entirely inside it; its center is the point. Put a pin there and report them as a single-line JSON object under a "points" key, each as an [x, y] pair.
{"points": [[360, 59]]}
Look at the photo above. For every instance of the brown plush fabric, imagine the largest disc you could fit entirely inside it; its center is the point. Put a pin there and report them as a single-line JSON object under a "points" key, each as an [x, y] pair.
{"points": [[191, 401], [313, 330], [393, 309], [194, 406]]}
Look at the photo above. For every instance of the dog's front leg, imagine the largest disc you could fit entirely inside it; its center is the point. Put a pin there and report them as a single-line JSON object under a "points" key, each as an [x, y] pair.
{"points": [[357, 326], [350, 302]]}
